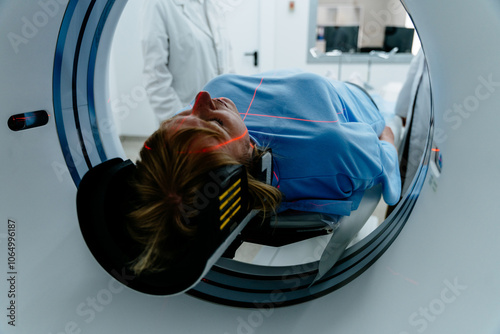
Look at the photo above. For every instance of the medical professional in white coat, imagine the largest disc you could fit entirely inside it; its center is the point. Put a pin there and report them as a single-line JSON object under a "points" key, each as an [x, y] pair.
{"points": [[184, 46], [414, 107]]}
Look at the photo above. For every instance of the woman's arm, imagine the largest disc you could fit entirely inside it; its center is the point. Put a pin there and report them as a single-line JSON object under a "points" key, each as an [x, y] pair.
{"points": [[387, 135]]}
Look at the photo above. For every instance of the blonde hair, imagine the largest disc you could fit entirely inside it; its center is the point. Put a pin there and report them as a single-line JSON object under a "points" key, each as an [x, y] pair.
{"points": [[167, 181]]}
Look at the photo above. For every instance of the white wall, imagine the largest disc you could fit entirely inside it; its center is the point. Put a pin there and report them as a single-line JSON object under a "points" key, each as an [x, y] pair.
{"points": [[283, 38], [133, 115]]}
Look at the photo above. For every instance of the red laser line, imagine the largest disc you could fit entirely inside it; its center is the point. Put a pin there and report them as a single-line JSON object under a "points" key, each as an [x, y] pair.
{"points": [[215, 147], [192, 111], [293, 119], [254, 93], [398, 274]]}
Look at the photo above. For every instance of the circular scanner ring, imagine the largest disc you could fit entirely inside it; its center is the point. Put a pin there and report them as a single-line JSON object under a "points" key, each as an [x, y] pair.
{"points": [[229, 282]]}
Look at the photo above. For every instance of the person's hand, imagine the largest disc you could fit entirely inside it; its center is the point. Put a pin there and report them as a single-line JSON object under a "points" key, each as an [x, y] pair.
{"points": [[387, 135]]}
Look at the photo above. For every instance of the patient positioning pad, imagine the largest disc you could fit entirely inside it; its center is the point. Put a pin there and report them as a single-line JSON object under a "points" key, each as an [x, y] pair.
{"points": [[104, 199]]}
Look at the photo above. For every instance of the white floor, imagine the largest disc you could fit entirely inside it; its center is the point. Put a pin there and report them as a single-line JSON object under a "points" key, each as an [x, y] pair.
{"points": [[132, 146]]}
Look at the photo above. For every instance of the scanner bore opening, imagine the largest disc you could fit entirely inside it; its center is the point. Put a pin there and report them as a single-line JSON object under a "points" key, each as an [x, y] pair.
{"points": [[83, 124]]}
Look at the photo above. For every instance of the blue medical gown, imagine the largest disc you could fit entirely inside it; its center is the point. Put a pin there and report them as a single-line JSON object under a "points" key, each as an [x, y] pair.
{"points": [[323, 135]]}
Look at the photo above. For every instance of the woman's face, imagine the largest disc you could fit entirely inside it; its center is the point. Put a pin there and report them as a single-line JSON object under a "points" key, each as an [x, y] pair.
{"points": [[220, 115]]}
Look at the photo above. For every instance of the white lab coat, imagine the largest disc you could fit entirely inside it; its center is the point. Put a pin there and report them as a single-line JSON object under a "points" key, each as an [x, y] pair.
{"points": [[184, 46], [414, 103]]}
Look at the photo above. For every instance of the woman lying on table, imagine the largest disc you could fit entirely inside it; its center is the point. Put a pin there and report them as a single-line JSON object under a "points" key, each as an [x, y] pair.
{"points": [[329, 144]]}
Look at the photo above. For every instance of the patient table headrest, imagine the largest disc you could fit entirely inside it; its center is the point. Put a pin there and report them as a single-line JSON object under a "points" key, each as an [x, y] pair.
{"points": [[104, 199]]}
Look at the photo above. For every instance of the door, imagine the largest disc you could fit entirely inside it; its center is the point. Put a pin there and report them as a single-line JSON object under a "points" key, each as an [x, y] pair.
{"points": [[243, 24]]}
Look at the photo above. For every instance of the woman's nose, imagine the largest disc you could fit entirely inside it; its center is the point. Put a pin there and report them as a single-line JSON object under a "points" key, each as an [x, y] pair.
{"points": [[203, 102]]}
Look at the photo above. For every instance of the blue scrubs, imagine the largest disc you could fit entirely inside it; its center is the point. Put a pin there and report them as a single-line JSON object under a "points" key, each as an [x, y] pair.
{"points": [[323, 135]]}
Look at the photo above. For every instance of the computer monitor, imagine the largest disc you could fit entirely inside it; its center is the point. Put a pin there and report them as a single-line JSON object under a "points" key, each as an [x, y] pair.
{"points": [[342, 38], [399, 37]]}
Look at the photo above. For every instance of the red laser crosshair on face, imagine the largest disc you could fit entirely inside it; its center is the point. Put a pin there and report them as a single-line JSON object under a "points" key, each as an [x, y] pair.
{"points": [[215, 147]]}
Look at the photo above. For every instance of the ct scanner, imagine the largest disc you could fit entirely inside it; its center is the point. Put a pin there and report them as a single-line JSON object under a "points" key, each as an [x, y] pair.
{"points": [[431, 267]]}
